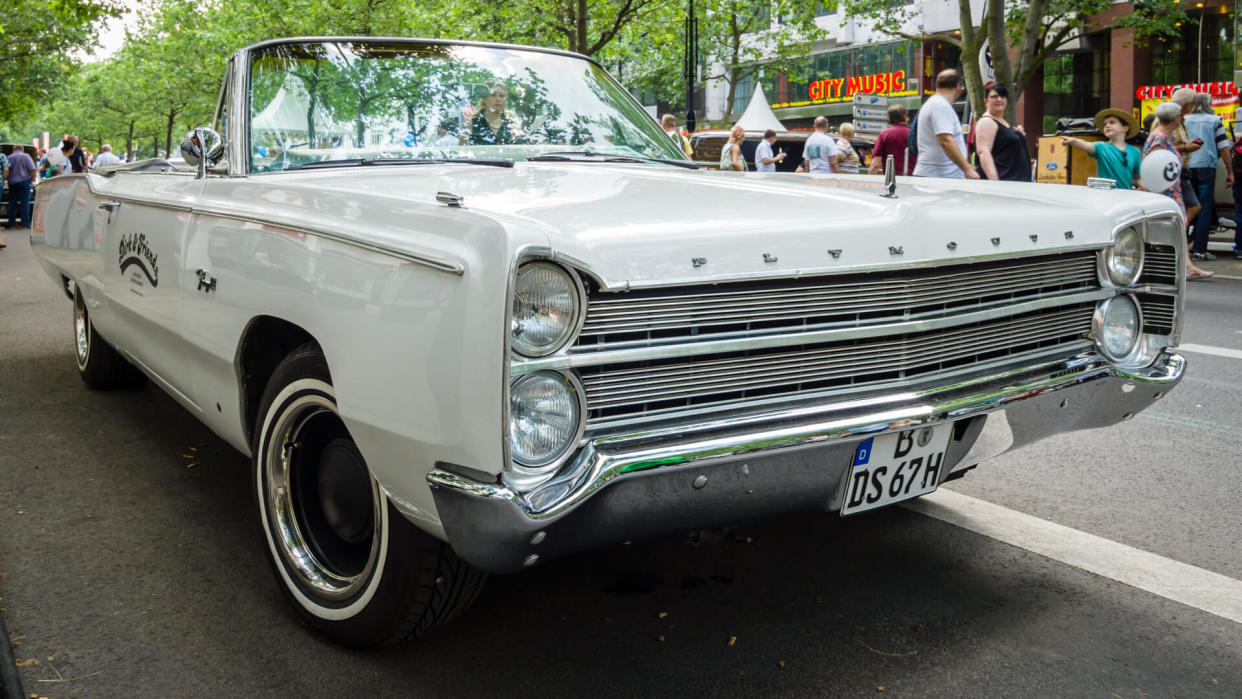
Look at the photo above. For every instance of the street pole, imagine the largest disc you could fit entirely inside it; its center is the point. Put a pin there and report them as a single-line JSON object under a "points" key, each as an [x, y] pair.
{"points": [[692, 62]]}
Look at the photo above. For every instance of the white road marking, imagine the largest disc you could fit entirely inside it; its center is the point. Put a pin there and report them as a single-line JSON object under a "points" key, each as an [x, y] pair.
{"points": [[1202, 589], [1209, 349]]}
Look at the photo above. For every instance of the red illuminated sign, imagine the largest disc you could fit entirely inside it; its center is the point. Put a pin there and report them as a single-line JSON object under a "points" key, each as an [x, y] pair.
{"points": [[1153, 92], [844, 87]]}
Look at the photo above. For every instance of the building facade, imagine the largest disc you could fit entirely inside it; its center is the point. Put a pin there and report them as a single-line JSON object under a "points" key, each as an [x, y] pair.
{"points": [[1103, 67]]}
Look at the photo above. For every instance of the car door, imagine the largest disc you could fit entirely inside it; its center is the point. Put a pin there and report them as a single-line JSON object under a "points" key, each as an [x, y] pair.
{"points": [[146, 216]]}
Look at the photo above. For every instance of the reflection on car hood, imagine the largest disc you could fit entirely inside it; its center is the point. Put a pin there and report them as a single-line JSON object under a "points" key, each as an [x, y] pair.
{"points": [[644, 224]]}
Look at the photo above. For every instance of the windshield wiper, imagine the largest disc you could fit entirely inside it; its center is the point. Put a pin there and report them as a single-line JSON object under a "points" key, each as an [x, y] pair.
{"points": [[350, 162], [562, 156]]}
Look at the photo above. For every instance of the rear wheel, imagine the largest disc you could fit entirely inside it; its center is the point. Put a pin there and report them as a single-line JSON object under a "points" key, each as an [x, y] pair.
{"points": [[99, 365], [352, 565]]}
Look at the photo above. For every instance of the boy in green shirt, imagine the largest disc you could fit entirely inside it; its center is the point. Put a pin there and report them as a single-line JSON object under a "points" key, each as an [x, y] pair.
{"points": [[1114, 160]]}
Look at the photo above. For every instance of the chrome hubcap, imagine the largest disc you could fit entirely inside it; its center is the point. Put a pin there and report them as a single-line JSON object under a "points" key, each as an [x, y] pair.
{"points": [[322, 504], [81, 331]]}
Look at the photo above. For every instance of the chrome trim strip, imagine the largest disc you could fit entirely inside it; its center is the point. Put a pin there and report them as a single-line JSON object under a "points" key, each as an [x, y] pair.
{"points": [[829, 296], [839, 269], [425, 260], [871, 331], [124, 199]]}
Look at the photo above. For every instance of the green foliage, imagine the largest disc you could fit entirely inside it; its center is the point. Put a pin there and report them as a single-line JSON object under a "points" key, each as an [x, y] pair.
{"points": [[37, 38], [165, 79], [1155, 18]]}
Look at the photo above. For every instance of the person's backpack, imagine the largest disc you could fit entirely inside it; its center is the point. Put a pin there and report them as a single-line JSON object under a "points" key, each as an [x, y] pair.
{"points": [[912, 141], [1237, 157]]}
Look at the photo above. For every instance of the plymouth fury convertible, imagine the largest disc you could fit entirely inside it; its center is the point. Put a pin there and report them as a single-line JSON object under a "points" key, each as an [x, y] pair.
{"points": [[467, 308]]}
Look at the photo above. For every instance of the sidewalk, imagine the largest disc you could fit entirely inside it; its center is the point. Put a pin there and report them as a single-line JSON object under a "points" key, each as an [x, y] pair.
{"points": [[1226, 266]]}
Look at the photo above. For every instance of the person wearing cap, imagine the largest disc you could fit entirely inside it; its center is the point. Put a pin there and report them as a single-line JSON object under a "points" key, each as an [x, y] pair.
{"points": [[1115, 160], [1204, 126]]}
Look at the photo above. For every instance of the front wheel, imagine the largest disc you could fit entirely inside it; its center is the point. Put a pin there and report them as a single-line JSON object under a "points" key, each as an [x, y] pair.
{"points": [[353, 566]]}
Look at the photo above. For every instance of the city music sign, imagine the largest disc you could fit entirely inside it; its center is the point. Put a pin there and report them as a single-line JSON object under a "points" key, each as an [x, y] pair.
{"points": [[844, 89], [1154, 92]]}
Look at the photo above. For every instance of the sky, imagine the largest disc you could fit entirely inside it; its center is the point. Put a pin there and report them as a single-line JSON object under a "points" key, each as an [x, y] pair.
{"points": [[112, 33]]}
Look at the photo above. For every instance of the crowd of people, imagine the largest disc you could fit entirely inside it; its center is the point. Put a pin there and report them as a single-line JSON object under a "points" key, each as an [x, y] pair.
{"points": [[936, 146], [21, 172]]}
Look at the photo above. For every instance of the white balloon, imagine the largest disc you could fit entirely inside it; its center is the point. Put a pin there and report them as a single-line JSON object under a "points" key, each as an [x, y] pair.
{"points": [[54, 156], [1160, 170]]}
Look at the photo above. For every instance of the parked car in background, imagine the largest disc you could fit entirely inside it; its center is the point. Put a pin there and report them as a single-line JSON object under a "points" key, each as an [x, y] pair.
{"points": [[453, 357]]}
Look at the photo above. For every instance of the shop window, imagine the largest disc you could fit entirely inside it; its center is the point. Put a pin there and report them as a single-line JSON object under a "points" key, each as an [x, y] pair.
{"points": [[1183, 59], [741, 94], [1075, 85]]}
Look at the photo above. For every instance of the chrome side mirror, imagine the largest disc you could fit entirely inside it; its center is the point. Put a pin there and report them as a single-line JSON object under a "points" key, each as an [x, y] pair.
{"points": [[202, 148]]}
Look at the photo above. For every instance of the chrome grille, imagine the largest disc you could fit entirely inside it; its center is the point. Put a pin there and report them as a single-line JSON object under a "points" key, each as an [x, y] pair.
{"points": [[1160, 265], [1158, 311], [747, 309], [616, 392]]}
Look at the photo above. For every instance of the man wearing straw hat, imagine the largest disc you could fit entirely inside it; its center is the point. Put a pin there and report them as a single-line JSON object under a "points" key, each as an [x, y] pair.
{"points": [[1115, 159]]}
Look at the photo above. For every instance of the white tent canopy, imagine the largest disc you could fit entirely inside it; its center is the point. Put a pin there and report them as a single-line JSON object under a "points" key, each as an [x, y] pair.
{"points": [[758, 115], [286, 113]]}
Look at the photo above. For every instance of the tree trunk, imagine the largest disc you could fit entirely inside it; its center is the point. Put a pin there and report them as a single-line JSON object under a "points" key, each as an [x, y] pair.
{"points": [[728, 114], [998, 46], [580, 27], [129, 143], [172, 114]]}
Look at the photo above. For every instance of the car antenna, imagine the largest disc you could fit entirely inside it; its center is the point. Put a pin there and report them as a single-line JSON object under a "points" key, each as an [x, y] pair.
{"points": [[890, 179]]}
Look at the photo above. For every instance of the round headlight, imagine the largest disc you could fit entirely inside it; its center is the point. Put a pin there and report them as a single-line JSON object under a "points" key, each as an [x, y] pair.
{"points": [[1119, 327], [545, 309], [544, 416], [1125, 258]]}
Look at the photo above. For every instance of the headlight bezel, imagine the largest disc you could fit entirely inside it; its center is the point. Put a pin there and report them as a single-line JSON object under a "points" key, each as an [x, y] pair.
{"points": [[572, 329], [525, 474], [1098, 325], [1108, 273]]}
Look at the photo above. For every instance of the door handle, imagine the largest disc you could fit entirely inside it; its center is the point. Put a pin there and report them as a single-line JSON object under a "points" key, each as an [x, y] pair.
{"points": [[109, 206], [206, 282]]}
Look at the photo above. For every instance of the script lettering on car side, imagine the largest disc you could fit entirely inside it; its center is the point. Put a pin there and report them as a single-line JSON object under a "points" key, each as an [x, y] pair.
{"points": [[134, 252]]}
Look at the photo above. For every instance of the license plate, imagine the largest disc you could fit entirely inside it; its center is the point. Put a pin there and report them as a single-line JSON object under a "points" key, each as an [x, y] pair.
{"points": [[895, 467]]}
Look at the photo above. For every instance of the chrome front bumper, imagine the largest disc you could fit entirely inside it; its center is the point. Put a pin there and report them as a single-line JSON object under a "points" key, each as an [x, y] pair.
{"points": [[728, 470]]}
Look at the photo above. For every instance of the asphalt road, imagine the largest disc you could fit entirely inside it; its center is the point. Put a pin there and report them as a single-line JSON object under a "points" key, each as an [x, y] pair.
{"points": [[129, 570]]}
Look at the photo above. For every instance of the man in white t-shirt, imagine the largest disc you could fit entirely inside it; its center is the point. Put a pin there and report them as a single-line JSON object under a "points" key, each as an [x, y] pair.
{"points": [[765, 161], [106, 158], [820, 152], [942, 149]]}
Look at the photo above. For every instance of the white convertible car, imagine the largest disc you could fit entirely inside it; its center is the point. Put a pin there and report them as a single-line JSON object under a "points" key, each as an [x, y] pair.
{"points": [[468, 308]]}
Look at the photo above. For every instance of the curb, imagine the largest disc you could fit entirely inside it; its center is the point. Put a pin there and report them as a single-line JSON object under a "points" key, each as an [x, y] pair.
{"points": [[10, 680]]}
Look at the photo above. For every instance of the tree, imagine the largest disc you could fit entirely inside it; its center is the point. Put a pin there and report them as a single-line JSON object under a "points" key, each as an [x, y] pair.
{"points": [[583, 26], [1032, 30], [739, 39], [36, 39]]}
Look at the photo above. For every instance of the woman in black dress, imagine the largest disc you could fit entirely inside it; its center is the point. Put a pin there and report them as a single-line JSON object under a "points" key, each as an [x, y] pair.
{"points": [[1002, 149]]}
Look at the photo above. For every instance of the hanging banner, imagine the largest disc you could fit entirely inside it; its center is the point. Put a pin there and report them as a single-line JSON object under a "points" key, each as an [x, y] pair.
{"points": [[986, 71]]}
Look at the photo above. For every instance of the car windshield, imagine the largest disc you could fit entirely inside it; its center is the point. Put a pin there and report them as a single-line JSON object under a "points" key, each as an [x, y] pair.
{"points": [[348, 101]]}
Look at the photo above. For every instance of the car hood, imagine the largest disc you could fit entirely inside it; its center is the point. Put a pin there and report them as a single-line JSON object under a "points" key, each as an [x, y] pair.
{"points": [[638, 225]]}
